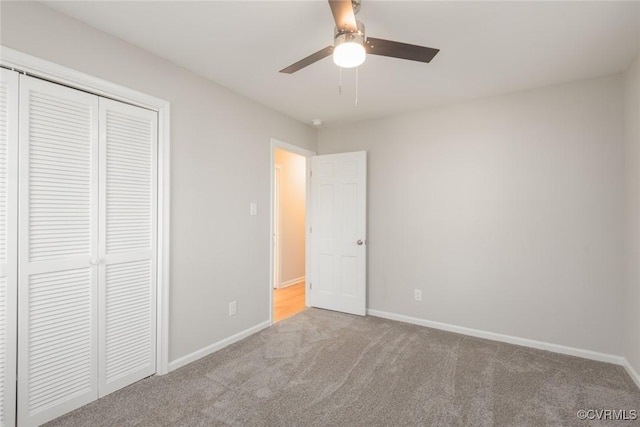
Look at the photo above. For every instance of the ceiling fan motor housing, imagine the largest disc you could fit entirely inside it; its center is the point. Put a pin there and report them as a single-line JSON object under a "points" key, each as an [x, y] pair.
{"points": [[348, 47], [343, 36]]}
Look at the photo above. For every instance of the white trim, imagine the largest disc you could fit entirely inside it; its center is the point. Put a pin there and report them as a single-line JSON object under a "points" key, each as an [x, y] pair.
{"points": [[291, 282], [41, 68], [56, 73], [164, 233], [632, 372], [198, 354], [275, 143], [10, 330], [541, 345]]}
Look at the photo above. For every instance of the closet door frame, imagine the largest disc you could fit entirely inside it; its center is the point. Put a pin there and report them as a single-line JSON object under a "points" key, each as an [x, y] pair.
{"points": [[10, 269], [21, 62]]}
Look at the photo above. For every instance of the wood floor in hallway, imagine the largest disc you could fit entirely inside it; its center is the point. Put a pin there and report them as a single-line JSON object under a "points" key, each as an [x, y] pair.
{"points": [[288, 301]]}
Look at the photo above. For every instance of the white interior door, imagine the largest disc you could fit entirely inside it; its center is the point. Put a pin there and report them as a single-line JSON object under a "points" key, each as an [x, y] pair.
{"points": [[338, 232], [127, 255], [8, 243], [58, 227]]}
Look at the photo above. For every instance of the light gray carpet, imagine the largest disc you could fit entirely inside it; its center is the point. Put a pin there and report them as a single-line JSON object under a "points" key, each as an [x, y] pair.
{"points": [[325, 368]]}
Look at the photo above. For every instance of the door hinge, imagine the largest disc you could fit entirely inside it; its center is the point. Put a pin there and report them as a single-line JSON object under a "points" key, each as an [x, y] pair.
{"points": [[310, 285], [311, 173], [310, 229]]}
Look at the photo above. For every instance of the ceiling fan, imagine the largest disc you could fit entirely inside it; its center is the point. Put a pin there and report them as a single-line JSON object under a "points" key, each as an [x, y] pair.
{"points": [[351, 46]]}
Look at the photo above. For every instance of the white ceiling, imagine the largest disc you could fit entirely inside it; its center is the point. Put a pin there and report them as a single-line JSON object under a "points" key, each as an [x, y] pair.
{"points": [[487, 48]]}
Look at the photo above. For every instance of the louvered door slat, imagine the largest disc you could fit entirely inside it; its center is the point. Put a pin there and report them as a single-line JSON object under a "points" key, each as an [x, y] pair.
{"points": [[71, 122], [58, 234], [8, 243], [128, 151]]}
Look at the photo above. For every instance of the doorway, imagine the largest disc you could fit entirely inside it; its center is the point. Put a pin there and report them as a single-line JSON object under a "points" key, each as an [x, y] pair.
{"points": [[289, 230], [289, 233], [335, 258]]}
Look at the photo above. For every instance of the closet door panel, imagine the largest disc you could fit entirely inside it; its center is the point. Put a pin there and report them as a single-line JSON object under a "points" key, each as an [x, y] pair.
{"points": [[8, 243], [128, 188], [58, 273]]}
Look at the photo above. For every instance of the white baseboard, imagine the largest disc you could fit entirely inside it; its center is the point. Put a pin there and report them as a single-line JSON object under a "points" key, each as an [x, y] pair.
{"points": [[632, 372], [556, 348], [291, 282], [192, 357]]}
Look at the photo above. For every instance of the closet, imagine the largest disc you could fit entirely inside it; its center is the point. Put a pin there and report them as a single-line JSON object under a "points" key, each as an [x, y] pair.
{"points": [[78, 221]]}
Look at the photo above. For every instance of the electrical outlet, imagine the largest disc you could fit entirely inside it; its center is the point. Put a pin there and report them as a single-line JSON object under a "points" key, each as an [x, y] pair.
{"points": [[417, 294], [233, 308]]}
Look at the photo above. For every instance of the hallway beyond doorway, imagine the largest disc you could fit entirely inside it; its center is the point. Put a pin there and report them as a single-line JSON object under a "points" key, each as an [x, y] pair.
{"points": [[288, 301]]}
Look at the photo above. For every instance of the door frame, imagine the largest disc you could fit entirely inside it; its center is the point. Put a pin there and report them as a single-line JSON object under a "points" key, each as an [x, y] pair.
{"points": [[275, 143], [11, 273], [36, 67]]}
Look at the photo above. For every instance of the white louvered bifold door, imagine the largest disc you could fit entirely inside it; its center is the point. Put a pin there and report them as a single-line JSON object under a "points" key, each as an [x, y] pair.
{"points": [[58, 272], [128, 188], [8, 243]]}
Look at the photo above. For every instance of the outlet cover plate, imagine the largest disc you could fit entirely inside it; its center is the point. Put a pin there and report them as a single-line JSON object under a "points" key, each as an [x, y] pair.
{"points": [[233, 308]]}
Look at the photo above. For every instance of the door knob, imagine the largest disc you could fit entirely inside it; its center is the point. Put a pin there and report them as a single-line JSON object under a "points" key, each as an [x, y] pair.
{"points": [[359, 242]]}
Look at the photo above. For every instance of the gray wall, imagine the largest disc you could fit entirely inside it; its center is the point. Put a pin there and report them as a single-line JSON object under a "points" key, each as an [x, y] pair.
{"points": [[632, 211], [505, 211], [220, 151]]}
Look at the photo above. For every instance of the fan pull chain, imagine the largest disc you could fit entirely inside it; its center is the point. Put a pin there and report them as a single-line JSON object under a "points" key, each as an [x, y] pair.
{"points": [[340, 82], [356, 103]]}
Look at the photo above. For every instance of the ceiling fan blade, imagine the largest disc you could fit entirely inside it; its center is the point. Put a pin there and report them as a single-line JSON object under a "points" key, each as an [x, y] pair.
{"points": [[314, 57], [400, 50], [343, 15]]}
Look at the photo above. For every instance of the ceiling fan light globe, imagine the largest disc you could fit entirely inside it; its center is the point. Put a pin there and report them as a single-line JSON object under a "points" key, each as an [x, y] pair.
{"points": [[349, 54]]}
